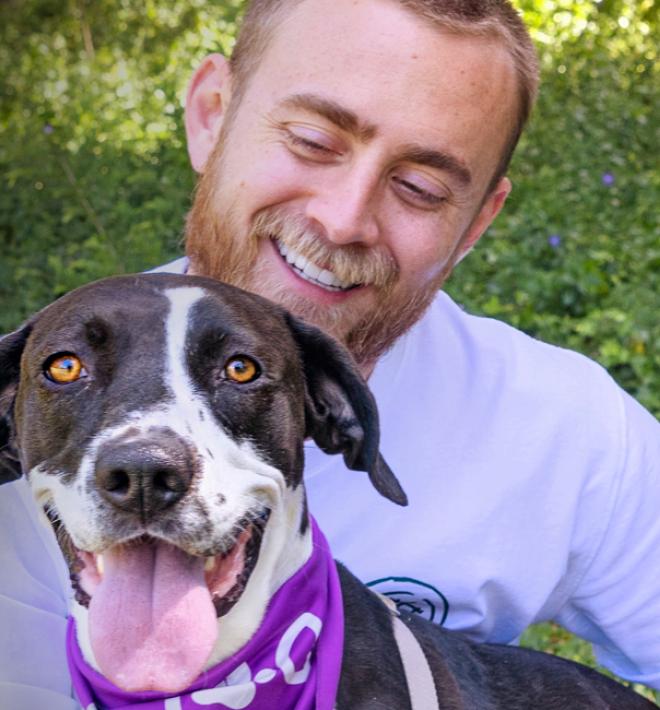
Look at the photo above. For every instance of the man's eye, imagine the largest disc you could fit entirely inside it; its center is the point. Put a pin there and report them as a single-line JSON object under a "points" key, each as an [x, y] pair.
{"points": [[309, 143], [416, 194]]}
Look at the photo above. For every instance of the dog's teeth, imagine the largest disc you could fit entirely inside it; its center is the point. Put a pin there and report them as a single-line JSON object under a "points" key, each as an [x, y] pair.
{"points": [[99, 564], [209, 564]]}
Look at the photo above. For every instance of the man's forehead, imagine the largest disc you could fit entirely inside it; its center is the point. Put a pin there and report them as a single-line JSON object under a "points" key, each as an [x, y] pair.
{"points": [[379, 22], [387, 69]]}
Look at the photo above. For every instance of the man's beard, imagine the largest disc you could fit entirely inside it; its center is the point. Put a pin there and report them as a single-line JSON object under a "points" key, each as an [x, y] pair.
{"points": [[216, 248]]}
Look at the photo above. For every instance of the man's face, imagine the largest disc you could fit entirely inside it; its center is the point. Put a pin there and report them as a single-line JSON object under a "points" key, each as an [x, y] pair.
{"points": [[352, 174]]}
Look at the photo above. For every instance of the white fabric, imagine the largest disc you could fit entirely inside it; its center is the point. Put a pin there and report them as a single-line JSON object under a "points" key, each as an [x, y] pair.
{"points": [[534, 487]]}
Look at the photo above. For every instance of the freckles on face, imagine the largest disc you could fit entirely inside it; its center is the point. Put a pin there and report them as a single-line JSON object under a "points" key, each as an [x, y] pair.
{"points": [[423, 245], [335, 169], [381, 133], [404, 79], [255, 170]]}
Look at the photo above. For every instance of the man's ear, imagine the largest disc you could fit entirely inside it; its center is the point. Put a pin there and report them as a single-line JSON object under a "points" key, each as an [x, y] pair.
{"points": [[340, 411], [11, 349], [209, 93], [489, 210]]}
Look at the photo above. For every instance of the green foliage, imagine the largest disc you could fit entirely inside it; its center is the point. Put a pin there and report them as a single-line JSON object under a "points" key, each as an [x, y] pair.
{"points": [[94, 178], [575, 257], [93, 167]]}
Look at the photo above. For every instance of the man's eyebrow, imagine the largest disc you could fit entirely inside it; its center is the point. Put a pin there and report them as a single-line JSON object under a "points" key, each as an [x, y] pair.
{"points": [[348, 121], [341, 116], [439, 159]]}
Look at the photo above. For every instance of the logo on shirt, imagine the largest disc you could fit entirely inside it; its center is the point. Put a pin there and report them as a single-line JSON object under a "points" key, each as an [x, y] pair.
{"points": [[413, 596]]}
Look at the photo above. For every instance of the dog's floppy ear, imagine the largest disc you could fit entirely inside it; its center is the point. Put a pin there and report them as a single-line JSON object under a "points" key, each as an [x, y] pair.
{"points": [[340, 411], [11, 349]]}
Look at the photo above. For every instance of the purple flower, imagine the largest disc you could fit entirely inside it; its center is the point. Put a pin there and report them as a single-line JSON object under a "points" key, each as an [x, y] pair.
{"points": [[608, 179], [48, 129], [554, 240]]}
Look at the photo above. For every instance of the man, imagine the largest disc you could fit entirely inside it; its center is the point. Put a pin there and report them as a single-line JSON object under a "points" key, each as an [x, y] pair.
{"points": [[351, 153]]}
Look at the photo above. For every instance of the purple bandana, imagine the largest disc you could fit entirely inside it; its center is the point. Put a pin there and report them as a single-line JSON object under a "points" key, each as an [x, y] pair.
{"points": [[293, 660]]}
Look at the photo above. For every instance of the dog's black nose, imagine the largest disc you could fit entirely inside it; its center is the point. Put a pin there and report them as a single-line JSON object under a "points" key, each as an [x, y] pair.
{"points": [[144, 475]]}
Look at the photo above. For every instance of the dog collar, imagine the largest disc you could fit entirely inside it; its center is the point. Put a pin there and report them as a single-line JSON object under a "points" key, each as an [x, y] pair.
{"points": [[292, 661]]}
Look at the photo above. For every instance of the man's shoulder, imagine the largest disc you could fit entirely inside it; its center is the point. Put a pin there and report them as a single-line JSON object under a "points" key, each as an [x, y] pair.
{"points": [[477, 361], [492, 343], [178, 266]]}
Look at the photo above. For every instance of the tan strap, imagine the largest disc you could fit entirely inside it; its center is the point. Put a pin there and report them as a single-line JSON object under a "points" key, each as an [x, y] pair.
{"points": [[418, 673]]}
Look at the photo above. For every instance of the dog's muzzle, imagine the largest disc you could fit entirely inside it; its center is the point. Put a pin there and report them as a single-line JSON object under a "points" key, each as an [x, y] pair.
{"points": [[144, 476]]}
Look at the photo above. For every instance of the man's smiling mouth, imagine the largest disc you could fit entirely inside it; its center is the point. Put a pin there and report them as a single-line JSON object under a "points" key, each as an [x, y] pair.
{"points": [[308, 271]]}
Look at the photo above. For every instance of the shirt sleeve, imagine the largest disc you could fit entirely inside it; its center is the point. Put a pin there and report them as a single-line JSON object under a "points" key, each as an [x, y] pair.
{"points": [[616, 605], [33, 608]]}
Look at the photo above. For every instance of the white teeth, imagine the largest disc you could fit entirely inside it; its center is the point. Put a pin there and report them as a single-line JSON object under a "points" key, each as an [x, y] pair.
{"points": [[297, 260], [327, 277], [310, 272], [99, 564], [209, 564]]}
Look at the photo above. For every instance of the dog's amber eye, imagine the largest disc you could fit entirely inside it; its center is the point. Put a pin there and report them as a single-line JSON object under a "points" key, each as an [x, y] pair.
{"points": [[242, 369], [64, 369]]}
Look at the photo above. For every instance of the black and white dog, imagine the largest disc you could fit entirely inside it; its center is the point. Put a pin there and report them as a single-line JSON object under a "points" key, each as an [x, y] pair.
{"points": [[160, 422]]}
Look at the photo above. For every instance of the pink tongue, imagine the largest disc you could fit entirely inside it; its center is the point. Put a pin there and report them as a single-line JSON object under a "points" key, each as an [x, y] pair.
{"points": [[152, 621]]}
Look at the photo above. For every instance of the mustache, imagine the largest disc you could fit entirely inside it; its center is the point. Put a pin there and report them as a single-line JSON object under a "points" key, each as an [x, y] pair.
{"points": [[351, 263]]}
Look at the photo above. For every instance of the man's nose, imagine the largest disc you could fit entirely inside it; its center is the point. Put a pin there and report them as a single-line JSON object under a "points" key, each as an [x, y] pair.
{"points": [[346, 209]]}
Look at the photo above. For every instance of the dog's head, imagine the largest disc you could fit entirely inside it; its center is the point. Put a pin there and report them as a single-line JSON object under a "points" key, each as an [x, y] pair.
{"points": [[160, 421]]}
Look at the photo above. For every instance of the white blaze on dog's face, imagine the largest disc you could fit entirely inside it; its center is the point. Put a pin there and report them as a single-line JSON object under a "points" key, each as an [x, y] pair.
{"points": [[160, 421], [234, 485]]}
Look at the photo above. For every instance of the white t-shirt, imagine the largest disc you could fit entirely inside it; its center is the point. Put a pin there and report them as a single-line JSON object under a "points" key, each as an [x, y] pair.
{"points": [[534, 488]]}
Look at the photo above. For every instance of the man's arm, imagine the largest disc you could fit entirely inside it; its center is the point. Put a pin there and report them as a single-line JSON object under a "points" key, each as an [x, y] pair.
{"points": [[33, 608], [617, 603]]}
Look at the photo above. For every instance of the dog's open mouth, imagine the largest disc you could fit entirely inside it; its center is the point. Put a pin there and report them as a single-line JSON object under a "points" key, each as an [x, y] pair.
{"points": [[153, 607]]}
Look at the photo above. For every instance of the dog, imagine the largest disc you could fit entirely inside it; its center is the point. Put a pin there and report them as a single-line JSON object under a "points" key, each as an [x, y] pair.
{"points": [[160, 422]]}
